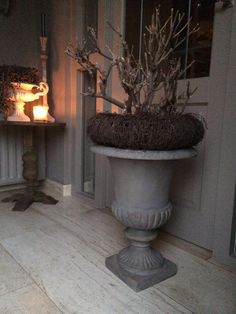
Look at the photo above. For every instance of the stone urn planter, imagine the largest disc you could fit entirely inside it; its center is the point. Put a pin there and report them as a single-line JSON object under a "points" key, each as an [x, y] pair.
{"points": [[141, 202], [22, 93], [149, 131]]}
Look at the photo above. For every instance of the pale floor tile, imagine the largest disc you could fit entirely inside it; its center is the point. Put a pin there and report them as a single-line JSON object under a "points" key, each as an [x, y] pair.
{"points": [[198, 284], [95, 228], [69, 207], [223, 266], [92, 264], [186, 246], [74, 276], [14, 223], [27, 300], [81, 199], [66, 259], [12, 276]]}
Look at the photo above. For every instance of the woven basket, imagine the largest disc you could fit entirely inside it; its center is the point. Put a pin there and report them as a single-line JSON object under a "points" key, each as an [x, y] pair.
{"points": [[146, 131]]}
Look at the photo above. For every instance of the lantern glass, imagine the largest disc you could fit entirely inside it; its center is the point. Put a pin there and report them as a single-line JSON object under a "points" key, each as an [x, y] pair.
{"points": [[40, 113]]}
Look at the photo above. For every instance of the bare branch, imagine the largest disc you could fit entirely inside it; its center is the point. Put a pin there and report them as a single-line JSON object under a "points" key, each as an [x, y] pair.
{"points": [[141, 80], [108, 98]]}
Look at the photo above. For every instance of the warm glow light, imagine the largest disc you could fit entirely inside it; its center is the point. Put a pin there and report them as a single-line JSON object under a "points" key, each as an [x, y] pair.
{"points": [[40, 113]]}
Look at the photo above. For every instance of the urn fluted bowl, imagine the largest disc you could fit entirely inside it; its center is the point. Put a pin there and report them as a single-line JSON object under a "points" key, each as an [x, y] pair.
{"points": [[141, 182], [22, 93]]}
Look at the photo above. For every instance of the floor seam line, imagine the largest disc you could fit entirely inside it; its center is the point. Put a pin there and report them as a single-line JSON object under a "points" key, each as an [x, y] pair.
{"points": [[14, 290], [44, 292], [184, 306]]}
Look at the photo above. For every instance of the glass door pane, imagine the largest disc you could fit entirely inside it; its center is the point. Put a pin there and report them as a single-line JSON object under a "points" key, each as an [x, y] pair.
{"points": [[199, 48], [89, 109], [139, 12]]}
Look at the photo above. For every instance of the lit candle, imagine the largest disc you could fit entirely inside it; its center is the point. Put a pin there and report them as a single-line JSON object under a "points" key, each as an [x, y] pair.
{"points": [[43, 33], [40, 113]]}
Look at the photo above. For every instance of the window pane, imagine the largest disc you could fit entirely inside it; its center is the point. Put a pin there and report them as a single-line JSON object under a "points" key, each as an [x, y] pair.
{"points": [[165, 9], [202, 12], [132, 25], [199, 47], [89, 108], [133, 18]]}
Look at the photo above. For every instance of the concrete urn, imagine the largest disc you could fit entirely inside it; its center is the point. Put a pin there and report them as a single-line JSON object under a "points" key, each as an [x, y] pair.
{"points": [[22, 93], [141, 202]]}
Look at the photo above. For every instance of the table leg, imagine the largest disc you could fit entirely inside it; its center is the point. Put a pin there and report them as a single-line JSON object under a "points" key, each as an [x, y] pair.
{"points": [[30, 174]]}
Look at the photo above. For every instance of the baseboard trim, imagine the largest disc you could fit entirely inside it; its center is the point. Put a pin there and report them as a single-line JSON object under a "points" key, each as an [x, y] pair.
{"points": [[63, 189]]}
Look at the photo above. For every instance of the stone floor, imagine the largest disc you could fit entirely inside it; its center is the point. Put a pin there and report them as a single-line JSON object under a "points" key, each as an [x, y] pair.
{"points": [[52, 261]]}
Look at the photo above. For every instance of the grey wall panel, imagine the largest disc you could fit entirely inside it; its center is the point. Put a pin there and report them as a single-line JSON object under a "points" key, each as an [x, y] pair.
{"points": [[62, 99], [11, 149], [19, 42]]}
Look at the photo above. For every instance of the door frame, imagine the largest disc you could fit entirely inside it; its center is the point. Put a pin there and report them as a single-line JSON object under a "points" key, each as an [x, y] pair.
{"points": [[223, 97]]}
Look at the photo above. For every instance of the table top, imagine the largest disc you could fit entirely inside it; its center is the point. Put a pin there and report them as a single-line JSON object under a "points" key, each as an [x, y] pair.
{"points": [[32, 124]]}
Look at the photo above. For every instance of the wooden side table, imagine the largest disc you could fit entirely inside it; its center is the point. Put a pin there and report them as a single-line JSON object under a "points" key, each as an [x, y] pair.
{"points": [[30, 167]]}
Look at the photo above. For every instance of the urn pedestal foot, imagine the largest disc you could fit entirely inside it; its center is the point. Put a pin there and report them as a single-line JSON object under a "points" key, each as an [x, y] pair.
{"points": [[139, 282], [139, 265], [18, 114]]}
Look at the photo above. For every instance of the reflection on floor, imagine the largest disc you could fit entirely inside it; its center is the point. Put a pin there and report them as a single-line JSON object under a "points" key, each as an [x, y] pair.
{"points": [[52, 261]]}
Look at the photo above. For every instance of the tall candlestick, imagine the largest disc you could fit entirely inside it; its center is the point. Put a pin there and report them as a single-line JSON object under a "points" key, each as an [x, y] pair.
{"points": [[43, 32], [44, 57]]}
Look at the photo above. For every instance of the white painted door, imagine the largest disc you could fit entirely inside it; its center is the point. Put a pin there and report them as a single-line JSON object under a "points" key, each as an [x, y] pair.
{"points": [[195, 181]]}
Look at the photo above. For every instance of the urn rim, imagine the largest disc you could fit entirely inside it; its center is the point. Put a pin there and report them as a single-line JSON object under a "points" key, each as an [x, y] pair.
{"points": [[144, 154]]}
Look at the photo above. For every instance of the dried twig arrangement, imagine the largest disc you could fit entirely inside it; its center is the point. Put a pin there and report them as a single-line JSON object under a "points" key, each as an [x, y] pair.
{"points": [[157, 72], [14, 73], [5, 88]]}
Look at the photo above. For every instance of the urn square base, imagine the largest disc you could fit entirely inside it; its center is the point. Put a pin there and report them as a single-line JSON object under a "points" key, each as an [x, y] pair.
{"points": [[140, 282]]}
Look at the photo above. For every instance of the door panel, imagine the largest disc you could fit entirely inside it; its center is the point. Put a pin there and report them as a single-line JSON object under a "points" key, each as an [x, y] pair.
{"points": [[190, 219]]}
